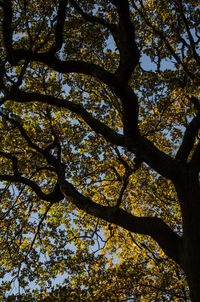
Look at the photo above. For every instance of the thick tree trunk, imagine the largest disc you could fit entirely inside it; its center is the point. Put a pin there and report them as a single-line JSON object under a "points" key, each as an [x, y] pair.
{"points": [[189, 196]]}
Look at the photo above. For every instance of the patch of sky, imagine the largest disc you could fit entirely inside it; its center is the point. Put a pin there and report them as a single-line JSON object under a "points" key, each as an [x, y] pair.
{"points": [[146, 63], [110, 44]]}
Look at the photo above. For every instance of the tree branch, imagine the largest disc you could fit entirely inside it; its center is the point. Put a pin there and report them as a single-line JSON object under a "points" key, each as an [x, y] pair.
{"points": [[14, 160], [59, 27], [48, 156], [190, 37], [141, 146], [54, 196], [7, 29], [66, 67], [195, 102], [147, 152], [38, 228], [124, 37], [125, 182], [93, 19], [195, 160], [160, 34], [129, 53], [130, 110], [168, 240], [97, 126], [188, 139]]}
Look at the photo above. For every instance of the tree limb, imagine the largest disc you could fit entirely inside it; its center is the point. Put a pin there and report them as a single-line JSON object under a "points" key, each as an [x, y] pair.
{"points": [[99, 127], [168, 240], [161, 162], [14, 160], [59, 27], [195, 160], [65, 67], [7, 30], [155, 158], [188, 139], [129, 53], [93, 19], [54, 196], [45, 152]]}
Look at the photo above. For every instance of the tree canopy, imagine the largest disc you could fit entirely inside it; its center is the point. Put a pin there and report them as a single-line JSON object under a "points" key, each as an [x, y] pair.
{"points": [[100, 150]]}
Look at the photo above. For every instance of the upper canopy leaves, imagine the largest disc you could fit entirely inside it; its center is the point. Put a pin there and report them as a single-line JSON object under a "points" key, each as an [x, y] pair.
{"points": [[99, 105]]}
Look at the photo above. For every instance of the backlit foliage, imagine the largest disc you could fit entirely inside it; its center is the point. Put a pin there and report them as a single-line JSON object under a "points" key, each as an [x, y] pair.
{"points": [[52, 119]]}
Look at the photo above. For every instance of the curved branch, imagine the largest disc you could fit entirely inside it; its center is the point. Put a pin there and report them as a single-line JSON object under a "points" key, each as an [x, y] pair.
{"points": [[65, 67], [161, 162], [49, 157], [14, 160], [99, 127], [188, 139], [124, 37], [145, 149], [7, 30], [168, 240], [123, 34], [93, 19], [54, 196]]}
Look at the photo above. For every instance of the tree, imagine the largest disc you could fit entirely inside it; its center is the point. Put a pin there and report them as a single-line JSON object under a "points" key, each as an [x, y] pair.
{"points": [[98, 148]]}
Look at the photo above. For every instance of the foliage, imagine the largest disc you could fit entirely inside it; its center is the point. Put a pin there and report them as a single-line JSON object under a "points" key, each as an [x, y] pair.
{"points": [[99, 117]]}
